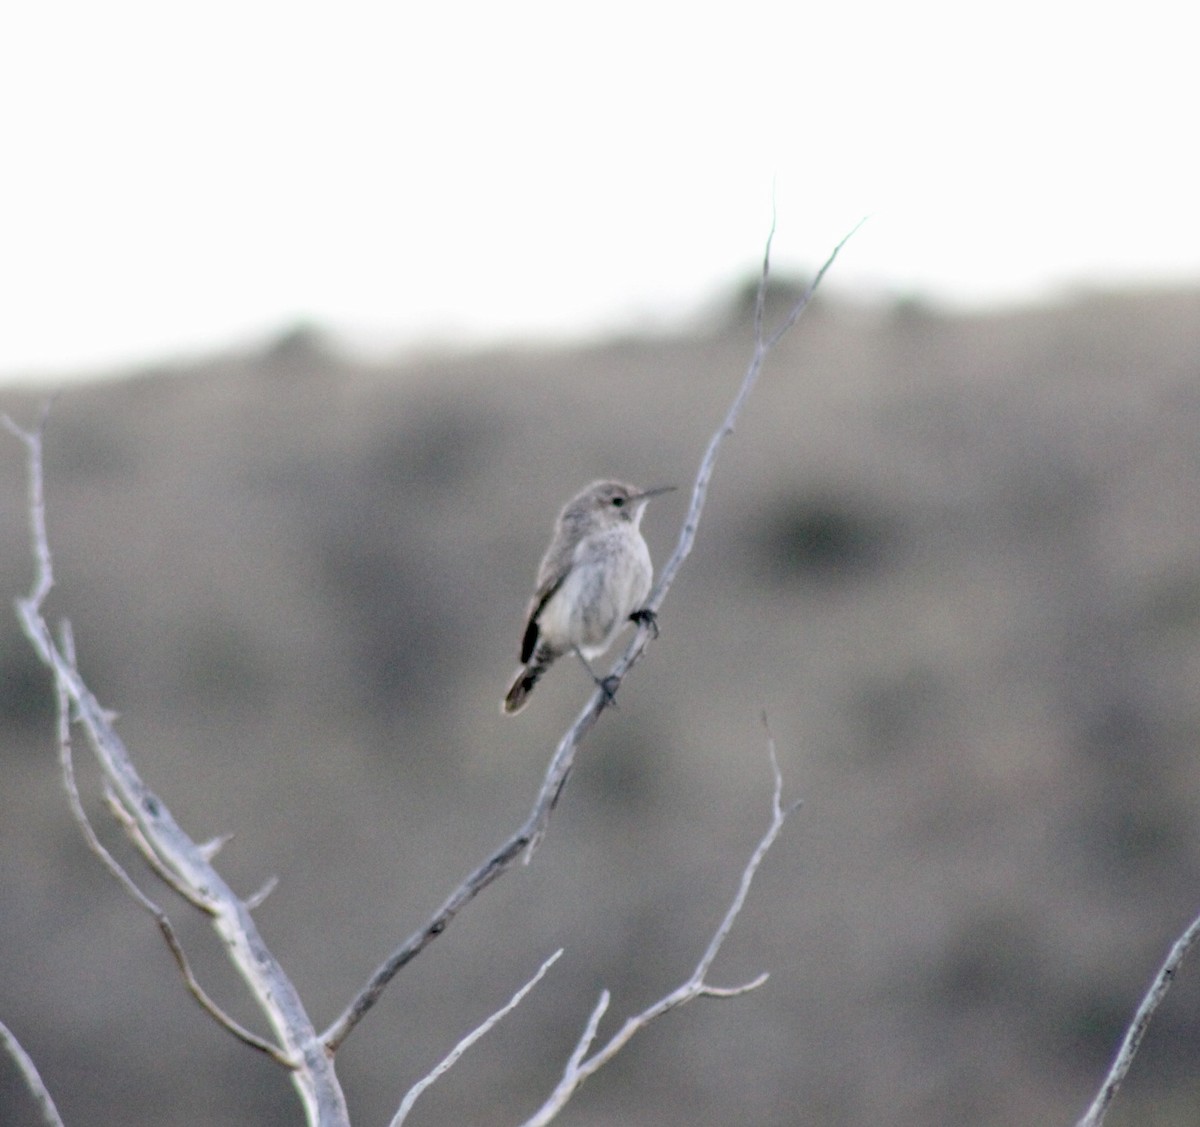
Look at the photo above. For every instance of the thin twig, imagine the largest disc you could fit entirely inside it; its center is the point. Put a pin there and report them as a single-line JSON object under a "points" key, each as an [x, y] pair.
{"points": [[43, 565], [581, 1066], [255, 899], [452, 1057], [1137, 1028], [588, 1036], [526, 839], [33, 1079], [139, 840], [763, 345], [209, 849]]}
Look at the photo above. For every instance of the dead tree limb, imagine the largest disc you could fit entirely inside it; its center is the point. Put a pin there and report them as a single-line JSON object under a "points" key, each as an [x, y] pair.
{"points": [[298, 1047]]}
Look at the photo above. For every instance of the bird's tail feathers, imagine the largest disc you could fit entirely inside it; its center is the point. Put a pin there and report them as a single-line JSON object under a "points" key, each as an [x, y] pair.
{"points": [[528, 676]]}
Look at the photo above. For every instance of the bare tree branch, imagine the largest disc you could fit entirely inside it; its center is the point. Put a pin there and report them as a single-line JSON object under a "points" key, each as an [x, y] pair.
{"points": [[451, 1058], [496, 864], [66, 763], [1137, 1028], [764, 343], [526, 839], [311, 1067], [581, 1066], [33, 1079]]}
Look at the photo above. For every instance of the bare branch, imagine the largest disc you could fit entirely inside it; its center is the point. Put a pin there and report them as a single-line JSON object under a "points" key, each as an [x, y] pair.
{"points": [[452, 1058], [66, 763], [33, 1079], [1137, 1028], [310, 1066], [526, 839], [496, 864], [581, 1066]]}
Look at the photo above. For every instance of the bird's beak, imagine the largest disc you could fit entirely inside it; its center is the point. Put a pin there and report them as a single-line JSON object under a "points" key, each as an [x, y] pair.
{"points": [[646, 494]]}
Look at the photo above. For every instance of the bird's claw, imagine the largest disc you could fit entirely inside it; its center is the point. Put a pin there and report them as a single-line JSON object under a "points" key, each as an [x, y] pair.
{"points": [[608, 686], [645, 617]]}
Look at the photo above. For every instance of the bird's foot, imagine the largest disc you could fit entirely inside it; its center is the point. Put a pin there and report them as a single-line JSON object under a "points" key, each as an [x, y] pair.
{"points": [[607, 685], [645, 617]]}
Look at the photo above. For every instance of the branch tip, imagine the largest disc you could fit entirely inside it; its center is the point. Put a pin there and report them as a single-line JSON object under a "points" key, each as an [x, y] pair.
{"points": [[451, 1059], [255, 901], [734, 991], [213, 846]]}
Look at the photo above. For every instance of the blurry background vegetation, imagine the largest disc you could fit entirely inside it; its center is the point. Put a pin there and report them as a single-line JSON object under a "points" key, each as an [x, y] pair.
{"points": [[954, 558]]}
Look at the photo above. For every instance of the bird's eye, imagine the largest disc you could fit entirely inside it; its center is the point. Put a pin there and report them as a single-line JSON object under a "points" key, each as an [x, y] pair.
{"points": [[618, 502]]}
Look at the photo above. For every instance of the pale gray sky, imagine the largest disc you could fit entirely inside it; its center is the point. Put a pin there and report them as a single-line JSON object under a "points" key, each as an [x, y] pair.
{"points": [[184, 177]]}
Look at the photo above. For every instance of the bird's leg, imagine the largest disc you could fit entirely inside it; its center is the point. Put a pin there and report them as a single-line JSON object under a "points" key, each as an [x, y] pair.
{"points": [[607, 685]]}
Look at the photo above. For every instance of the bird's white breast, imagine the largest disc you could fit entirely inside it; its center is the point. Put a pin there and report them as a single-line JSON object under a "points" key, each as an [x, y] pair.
{"points": [[608, 580]]}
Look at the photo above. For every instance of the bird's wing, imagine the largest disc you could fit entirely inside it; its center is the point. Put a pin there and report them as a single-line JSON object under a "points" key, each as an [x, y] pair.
{"points": [[555, 566], [540, 599]]}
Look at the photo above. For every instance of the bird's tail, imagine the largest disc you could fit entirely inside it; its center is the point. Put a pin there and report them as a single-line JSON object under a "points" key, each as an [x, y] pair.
{"points": [[528, 676]]}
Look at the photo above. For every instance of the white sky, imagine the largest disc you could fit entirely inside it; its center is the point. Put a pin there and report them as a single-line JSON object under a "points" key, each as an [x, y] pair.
{"points": [[179, 177]]}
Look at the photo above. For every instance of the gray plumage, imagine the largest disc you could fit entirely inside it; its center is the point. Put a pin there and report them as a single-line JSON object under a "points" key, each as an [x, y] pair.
{"points": [[595, 575]]}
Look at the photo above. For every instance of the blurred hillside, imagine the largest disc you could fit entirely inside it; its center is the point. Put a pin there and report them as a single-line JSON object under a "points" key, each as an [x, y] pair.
{"points": [[954, 559]]}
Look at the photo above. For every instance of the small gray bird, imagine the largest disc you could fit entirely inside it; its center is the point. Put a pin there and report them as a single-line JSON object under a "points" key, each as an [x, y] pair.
{"points": [[593, 579]]}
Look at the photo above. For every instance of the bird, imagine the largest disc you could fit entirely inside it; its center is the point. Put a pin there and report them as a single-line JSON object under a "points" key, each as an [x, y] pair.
{"points": [[593, 580]]}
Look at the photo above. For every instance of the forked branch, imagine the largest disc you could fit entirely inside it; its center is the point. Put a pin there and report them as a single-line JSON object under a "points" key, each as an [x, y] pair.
{"points": [[186, 866], [526, 839], [580, 1065], [185, 863], [67, 766]]}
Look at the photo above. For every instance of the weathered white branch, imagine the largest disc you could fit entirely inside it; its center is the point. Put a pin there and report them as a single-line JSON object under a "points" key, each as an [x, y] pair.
{"points": [[33, 1079], [1137, 1028], [67, 766], [581, 1065], [310, 1066], [526, 839], [451, 1058]]}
